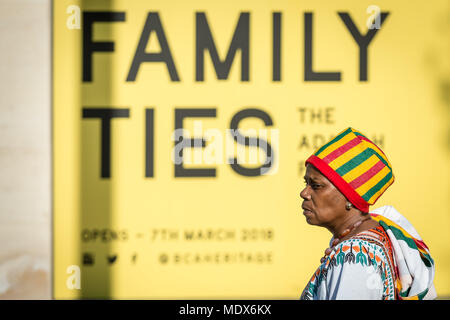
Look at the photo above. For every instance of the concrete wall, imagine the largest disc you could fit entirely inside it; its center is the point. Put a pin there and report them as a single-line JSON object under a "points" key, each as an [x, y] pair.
{"points": [[25, 149]]}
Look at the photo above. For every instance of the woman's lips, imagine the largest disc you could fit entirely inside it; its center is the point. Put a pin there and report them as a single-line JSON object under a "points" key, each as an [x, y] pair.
{"points": [[306, 210]]}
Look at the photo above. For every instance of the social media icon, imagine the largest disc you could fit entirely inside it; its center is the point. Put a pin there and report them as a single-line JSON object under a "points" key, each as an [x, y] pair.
{"points": [[112, 259], [88, 259]]}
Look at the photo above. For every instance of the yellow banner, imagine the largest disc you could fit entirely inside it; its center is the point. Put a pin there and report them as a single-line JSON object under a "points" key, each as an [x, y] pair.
{"points": [[180, 131]]}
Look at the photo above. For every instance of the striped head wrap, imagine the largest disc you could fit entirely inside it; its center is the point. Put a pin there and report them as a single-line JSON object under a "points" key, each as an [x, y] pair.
{"points": [[356, 166]]}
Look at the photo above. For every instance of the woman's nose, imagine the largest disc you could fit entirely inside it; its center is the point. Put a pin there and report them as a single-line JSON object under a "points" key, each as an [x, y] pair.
{"points": [[304, 193]]}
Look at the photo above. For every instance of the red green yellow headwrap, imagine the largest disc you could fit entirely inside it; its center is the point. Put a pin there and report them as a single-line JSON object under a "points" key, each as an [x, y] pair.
{"points": [[356, 166]]}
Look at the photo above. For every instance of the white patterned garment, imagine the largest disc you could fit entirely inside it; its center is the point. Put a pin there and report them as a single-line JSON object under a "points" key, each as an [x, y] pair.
{"points": [[358, 268], [414, 264], [387, 262]]}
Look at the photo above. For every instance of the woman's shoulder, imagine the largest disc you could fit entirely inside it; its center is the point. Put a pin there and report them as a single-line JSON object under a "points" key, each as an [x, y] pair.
{"points": [[368, 255], [375, 235], [357, 264], [368, 248]]}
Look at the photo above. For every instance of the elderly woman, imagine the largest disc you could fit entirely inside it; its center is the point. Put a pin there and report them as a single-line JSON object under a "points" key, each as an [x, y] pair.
{"points": [[376, 255]]}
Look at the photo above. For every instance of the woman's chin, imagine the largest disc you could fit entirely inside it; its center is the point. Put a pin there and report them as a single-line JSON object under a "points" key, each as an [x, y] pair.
{"points": [[309, 217]]}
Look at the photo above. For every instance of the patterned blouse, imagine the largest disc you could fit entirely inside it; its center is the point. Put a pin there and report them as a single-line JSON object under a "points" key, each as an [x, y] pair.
{"points": [[361, 267]]}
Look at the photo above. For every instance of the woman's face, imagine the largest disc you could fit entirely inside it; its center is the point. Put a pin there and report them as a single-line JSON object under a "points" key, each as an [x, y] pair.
{"points": [[323, 203]]}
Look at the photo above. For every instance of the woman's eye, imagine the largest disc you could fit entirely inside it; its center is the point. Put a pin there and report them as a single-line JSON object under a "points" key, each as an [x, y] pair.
{"points": [[313, 185]]}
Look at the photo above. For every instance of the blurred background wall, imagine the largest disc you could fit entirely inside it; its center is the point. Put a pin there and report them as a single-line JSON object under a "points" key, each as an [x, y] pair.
{"points": [[25, 144], [25, 149]]}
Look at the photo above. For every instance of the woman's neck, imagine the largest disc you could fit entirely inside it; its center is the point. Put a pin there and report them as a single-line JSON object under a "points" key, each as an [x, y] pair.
{"points": [[354, 221]]}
